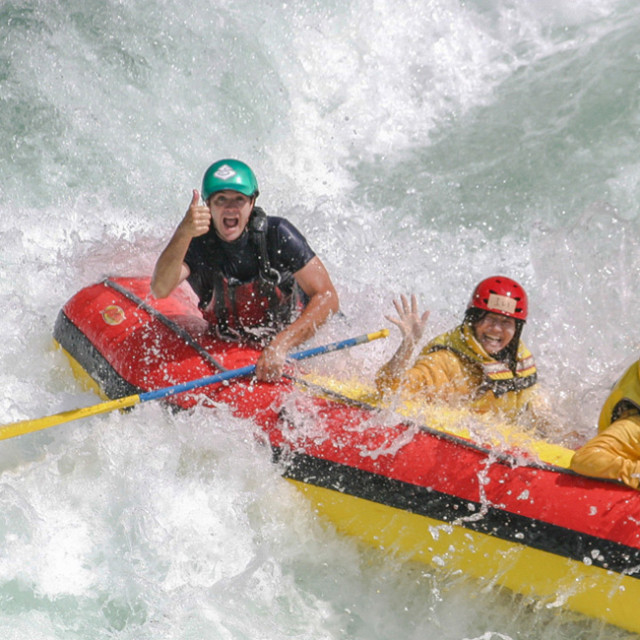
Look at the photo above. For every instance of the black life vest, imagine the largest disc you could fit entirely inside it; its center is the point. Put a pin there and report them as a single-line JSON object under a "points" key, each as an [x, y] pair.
{"points": [[251, 311]]}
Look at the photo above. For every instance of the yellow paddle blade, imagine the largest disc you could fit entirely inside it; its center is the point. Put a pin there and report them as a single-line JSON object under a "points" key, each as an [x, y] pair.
{"points": [[29, 426]]}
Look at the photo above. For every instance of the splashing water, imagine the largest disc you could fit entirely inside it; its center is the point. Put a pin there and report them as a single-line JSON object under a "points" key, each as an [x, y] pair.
{"points": [[420, 147]]}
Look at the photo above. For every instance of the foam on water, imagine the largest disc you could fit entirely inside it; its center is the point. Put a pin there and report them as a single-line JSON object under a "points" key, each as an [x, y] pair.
{"points": [[420, 146]]}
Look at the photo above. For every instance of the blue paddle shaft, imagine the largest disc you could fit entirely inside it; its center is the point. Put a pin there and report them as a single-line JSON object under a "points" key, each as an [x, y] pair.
{"points": [[245, 371], [194, 384]]}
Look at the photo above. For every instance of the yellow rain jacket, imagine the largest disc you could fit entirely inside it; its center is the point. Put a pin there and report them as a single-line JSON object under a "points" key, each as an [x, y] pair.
{"points": [[454, 368], [615, 452]]}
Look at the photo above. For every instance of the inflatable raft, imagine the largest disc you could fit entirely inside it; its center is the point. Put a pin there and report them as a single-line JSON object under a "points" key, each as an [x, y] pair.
{"points": [[506, 515]]}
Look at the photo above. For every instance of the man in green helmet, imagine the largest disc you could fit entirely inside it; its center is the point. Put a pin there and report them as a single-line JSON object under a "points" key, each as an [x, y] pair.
{"points": [[255, 275]]}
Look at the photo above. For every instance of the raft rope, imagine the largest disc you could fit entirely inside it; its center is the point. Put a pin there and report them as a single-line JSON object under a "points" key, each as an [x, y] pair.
{"points": [[174, 326], [192, 342]]}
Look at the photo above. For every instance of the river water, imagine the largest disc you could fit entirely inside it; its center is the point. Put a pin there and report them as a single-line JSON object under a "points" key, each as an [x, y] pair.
{"points": [[421, 146]]}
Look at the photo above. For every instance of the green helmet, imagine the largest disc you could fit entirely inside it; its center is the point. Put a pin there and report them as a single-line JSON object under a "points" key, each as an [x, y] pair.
{"points": [[229, 174]]}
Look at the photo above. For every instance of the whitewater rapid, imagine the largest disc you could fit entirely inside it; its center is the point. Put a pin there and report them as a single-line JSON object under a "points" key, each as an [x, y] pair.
{"points": [[420, 147]]}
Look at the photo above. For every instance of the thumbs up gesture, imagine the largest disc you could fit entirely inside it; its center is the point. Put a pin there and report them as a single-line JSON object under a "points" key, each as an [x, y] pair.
{"points": [[197, 220]]}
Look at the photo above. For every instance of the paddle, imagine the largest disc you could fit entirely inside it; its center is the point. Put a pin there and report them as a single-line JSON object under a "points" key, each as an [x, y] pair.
{"points": [[29, 426]]}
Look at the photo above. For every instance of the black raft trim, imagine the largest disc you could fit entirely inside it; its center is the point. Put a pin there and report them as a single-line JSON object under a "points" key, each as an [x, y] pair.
{"points": [[79, 347], [449, 509]]}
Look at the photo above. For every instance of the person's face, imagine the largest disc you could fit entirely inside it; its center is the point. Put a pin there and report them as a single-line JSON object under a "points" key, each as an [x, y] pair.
{"points": [[230, 211], [494, 332]]}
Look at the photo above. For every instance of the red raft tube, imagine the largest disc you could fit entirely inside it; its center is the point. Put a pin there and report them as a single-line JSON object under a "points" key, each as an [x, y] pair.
{"points": [[410, 489]]}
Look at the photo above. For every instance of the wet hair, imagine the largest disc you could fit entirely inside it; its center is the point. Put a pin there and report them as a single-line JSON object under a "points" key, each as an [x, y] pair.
{"points": [[508, 355]]}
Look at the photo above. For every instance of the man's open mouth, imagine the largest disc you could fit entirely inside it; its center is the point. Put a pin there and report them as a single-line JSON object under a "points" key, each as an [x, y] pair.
{"points": [[230, 223]]}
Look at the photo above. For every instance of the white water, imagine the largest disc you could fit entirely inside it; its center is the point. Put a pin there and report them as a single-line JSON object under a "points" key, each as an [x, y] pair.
{"points": [[420, 146]]}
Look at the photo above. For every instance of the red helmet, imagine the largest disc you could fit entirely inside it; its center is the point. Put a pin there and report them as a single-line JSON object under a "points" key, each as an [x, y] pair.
{"points": [[502, 295]]}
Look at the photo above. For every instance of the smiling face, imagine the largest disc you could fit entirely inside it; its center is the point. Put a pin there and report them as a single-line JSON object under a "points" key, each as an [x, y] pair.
{"points": [[230, 211], [494, 332]]}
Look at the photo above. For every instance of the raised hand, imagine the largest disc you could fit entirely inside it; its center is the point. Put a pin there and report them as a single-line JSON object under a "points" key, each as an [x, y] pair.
{"points": [[170, 269], [410, 322]]}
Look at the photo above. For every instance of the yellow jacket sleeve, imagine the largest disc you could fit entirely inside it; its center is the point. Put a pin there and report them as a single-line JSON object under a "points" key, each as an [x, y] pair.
{"points": [[436, 375], [614, 453]]}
